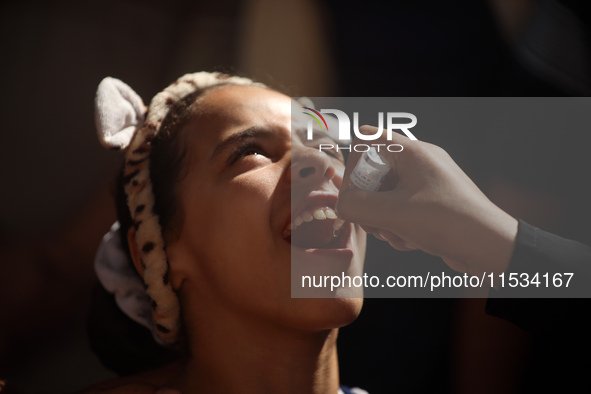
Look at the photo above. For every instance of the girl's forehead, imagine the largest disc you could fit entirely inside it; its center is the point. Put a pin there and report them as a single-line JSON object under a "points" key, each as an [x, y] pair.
{"points": [[232, 107], [235, 100]]}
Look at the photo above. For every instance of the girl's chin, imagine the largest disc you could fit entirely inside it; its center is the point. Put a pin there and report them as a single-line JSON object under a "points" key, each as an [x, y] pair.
{"points": [[327, 313]]}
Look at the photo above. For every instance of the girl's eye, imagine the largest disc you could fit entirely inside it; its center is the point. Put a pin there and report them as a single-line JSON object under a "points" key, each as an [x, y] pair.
{"points": [[246, 150]]}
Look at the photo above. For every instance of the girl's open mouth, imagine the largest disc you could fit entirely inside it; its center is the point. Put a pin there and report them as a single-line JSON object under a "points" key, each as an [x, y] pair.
{"points": [[312, 229]]}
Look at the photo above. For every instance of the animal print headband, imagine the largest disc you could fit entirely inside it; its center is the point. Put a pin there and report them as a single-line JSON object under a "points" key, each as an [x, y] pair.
{"points": [[123, 124]]}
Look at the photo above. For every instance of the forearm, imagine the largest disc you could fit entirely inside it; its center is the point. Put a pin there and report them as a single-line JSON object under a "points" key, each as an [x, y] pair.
{"points": [[490, 240]]}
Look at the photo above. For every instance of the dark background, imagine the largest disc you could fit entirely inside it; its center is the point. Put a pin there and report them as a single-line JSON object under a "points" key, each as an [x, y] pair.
{"points": [[55, 177]]}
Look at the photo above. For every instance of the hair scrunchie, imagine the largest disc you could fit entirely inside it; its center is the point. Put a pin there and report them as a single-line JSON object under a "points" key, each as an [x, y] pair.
{"points": [[124, 123]]}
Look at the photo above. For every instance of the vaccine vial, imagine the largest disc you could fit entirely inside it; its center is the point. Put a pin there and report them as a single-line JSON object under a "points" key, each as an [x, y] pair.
{"points": [[368, 174]]}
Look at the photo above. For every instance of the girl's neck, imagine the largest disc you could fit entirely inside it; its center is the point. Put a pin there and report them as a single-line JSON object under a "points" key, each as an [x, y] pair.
{"points": [[248, 356]]}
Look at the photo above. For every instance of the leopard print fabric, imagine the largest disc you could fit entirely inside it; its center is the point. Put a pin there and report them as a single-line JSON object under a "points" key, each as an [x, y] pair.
{"points": [[140, 198]]}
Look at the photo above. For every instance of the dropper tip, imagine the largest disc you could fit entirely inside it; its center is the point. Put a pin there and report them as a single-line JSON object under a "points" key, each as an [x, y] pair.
{"points": [[336, 228]]}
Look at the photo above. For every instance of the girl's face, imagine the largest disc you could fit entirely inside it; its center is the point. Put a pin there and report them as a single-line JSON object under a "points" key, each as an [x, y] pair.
{"points": [[234, 252]]}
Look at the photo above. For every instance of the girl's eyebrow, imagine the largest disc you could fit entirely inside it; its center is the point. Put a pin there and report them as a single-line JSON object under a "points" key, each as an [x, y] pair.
{"points": [[251, 132]]}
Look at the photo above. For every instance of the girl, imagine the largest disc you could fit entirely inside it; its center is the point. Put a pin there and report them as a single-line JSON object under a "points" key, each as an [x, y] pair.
{"points": [[216, 182]]}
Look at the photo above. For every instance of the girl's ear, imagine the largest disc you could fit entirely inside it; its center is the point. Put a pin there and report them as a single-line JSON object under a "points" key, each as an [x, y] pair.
{"points": [[134, 251], [118, 112]]}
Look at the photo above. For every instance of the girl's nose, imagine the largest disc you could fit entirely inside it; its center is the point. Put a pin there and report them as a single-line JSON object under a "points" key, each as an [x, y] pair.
{"points": [[309, 166]]}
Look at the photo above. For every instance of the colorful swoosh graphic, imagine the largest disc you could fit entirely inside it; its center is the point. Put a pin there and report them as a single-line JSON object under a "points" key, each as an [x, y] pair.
{"points": [[315, 118]]}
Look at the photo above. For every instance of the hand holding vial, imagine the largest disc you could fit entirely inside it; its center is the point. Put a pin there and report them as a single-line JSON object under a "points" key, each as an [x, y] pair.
{"points": [[369, 174], [427, 202]]}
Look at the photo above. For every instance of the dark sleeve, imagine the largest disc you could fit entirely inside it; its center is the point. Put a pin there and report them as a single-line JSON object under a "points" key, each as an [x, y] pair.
{"points": [[546, 310]]}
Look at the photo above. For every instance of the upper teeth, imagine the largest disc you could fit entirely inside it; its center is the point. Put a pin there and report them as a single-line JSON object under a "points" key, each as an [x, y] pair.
{"points": [[318, 214]]}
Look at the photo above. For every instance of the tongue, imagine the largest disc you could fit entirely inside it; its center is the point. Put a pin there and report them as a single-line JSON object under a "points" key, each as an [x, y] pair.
{"points": [[313, 235]]}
